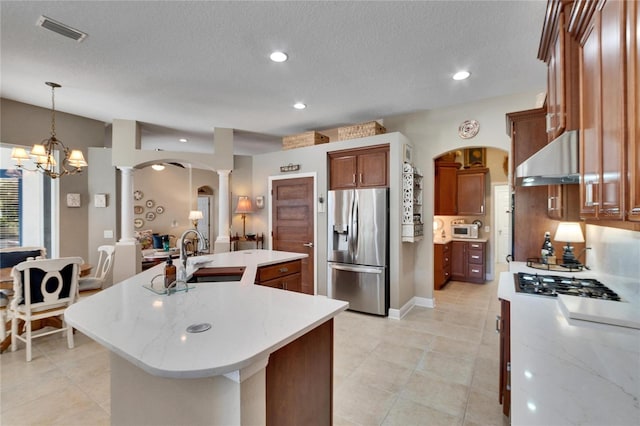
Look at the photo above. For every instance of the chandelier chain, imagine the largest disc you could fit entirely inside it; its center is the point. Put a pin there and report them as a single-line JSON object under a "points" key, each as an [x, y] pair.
{"points": [[53, 111]]}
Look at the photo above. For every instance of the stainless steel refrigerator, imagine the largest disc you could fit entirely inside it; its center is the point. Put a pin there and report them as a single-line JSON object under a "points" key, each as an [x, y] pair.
{"points": [[358, 248]]}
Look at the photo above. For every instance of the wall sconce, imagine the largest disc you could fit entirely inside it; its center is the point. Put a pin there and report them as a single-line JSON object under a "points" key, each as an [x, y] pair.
{"points": [[244, 207], [194, 217], [260, 201]]}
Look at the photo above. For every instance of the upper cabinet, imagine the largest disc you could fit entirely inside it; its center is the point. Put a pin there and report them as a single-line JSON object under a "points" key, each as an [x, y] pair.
{"points": [[607, 34], [471, 191], [560, 52], [446, 190], [359, 168]]}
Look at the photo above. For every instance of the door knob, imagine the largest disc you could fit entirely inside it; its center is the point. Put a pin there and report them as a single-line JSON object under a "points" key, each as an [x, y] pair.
{"points": [[308, 244]]}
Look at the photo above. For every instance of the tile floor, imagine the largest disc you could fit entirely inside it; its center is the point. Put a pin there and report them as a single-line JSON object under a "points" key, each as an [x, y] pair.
{"points": [[434, 367]]}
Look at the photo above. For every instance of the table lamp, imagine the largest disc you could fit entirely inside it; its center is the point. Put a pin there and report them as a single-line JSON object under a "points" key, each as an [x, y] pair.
{"points": [[244, 207], [194, 217], [569, 232]]}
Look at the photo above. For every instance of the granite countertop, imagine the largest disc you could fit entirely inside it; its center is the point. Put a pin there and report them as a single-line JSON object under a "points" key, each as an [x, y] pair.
{"points": [[248, 321], [569, 371]]}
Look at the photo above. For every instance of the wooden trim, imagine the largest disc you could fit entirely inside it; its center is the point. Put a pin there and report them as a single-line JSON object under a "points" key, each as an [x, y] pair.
{"points": [[529, 114], [554, 7], [341, 152], [581, 13]]}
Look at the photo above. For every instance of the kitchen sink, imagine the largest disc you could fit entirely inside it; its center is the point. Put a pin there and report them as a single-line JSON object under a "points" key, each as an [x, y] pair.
{"points": [[216, 274]]}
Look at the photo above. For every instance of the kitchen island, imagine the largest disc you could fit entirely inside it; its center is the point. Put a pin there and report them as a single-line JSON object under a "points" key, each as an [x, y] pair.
{"points": [[263, 344], [571, 371]]}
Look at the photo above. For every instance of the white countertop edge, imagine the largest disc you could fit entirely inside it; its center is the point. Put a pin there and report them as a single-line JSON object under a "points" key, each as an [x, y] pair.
{"points": [[266, 257]]}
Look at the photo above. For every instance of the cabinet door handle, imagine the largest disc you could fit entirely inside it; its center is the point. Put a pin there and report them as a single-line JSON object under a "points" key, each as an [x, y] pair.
{"points": [[475, 270], [308, 244], [354, 178], [475, 257], [482, 208], [283, 270], [360, 177], [497, 323]]}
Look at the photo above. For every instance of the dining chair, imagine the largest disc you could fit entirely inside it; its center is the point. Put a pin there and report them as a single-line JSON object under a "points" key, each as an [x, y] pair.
{"points": [[43, 289], [104, 267]]}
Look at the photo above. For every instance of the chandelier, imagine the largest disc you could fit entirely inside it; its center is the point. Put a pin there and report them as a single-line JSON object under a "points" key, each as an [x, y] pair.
{"points": [[43, 154]]}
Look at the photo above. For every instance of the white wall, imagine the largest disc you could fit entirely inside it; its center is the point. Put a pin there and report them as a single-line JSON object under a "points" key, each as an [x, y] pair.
{"points": [[436, 132]]}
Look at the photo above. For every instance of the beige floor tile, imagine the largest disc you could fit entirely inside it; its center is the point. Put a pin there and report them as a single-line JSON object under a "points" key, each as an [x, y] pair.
{"points": [[408, 413], [454, 347], [486, 375], [446, 367], [436, 393], [483, 409], [405, 356], [382, 374], [362, 404]]}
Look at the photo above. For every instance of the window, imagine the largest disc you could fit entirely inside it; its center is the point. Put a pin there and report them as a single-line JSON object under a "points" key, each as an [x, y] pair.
{"points": [[10, 208]]}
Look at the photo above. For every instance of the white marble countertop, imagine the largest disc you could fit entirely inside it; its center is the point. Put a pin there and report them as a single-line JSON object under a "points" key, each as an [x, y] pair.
{"points": [[248, 321], [566, 371]]}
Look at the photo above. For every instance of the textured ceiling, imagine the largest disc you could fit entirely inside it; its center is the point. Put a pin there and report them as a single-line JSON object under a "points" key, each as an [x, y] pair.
{"points": [[183, 68]]}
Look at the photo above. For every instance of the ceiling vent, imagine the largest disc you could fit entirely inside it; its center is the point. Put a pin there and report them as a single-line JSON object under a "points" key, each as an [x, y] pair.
{"points": [[60, 28]]}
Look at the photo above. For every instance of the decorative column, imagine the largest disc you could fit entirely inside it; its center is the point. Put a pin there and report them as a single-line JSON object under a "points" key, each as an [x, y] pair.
{"points": [[126, 204], [222, 242], [128, 257]]}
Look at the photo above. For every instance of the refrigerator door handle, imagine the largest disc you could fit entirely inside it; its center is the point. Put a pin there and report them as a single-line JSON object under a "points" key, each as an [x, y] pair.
{"points": [[354, 226], [357, 269]]}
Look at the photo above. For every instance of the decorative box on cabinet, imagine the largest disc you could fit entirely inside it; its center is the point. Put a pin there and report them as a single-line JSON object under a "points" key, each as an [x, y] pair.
{"points": [[285, 276], [445, 197], [468, 261], [412, 224], [359, 168], [471, 191], [441, 264]]}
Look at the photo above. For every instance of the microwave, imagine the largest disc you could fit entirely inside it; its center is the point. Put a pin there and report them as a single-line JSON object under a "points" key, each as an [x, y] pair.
{"points": [[464, 230]]}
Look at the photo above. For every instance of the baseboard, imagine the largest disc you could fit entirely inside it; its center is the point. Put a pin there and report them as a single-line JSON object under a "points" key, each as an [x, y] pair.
{"points": [[414, 301]]}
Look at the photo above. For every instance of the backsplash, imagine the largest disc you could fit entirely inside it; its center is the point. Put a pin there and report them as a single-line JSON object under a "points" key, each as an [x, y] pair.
{"points": [[613, 251]]}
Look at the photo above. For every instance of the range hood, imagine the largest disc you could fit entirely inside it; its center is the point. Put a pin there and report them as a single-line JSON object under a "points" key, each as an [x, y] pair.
{"points": [[556, 163]]}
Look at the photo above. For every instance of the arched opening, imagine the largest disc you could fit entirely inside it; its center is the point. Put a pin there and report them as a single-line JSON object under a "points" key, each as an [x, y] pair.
{"points": [[471, 186]]}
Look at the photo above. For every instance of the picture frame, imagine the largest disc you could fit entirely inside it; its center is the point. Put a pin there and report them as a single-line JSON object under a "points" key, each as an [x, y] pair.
{"points": [[408, 153], [475, 157], [100, 200]]}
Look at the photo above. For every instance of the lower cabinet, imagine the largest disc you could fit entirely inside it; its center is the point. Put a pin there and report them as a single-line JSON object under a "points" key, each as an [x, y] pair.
{"points": [[468, 261], [285, 276], [441, 264], [503, 326]]}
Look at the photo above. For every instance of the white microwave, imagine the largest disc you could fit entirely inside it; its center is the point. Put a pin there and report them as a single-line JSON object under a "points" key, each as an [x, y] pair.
{"points": [[464, 230]]}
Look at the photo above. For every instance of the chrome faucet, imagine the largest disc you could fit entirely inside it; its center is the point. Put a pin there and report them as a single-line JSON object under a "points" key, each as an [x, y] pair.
{"points": [[183, 246]]}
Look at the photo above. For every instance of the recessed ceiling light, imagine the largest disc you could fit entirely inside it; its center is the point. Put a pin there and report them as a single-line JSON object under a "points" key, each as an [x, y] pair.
{"points": [[183, 140], [299, 105], [278, 56], [461, 75]]}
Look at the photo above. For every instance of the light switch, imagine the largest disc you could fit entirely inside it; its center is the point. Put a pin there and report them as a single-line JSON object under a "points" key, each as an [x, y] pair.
{"points": [[487, 228], [108, 233]]}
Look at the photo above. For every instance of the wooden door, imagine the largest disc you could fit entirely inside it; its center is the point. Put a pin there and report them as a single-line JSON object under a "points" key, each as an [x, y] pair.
{"points": [[471, 192], [446, 191], [373, 169], [342, 171], [293, 223], [590, 131], [458, 260], [633, 113], [612, 36]]}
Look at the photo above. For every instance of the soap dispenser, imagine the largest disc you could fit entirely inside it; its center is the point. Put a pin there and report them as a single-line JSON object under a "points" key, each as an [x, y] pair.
{"points": [[169, 273]]}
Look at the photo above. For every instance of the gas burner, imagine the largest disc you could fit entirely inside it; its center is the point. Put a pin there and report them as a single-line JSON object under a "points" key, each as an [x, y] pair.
{"points": [[552, 285]]}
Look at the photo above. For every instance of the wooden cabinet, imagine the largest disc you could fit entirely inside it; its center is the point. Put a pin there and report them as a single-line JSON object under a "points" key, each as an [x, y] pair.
{"points": [[468, 261], [530, 216], [503, 326], [608, 36], [359, 168], [285, 276], [441, 264], [560, 51], [445, 188], [563, 202], [471, 191]]}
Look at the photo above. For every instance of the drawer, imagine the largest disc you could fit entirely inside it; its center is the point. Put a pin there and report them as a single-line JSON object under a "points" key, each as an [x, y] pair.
{"points": [[475, 272], [476, 246], [291, 282], [266, 273], [476, 256]]}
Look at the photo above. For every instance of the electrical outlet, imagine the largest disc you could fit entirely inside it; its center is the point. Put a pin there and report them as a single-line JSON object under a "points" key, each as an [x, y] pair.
{"points": [[487, 228]]}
